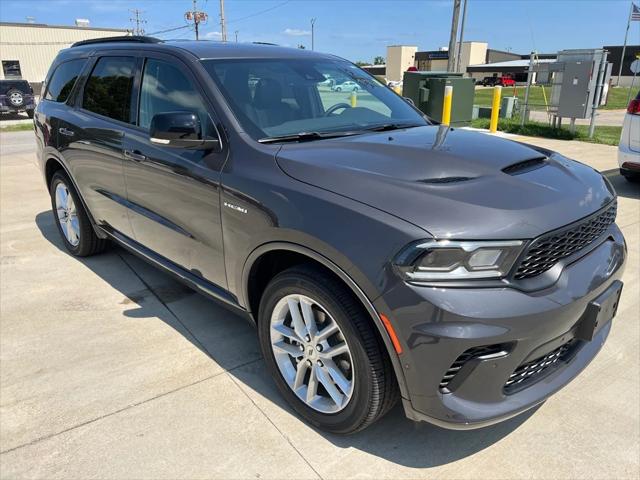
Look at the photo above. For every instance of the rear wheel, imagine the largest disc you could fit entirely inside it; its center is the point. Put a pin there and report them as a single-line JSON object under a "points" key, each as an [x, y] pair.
{"points": [[16, 97], [72, 220], [323, 352]]}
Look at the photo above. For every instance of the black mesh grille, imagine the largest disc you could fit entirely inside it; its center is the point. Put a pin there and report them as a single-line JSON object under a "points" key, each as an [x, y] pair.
{"points": [[532, 371], [467, 355], [547, 250]]}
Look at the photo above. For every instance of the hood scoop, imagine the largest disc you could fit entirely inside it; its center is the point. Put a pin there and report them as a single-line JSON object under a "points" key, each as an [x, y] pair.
{"points": [[444, 180], [525, 166]]}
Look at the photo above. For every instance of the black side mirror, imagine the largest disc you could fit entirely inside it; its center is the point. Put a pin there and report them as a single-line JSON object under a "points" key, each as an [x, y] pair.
{"points": [[179, 129]]}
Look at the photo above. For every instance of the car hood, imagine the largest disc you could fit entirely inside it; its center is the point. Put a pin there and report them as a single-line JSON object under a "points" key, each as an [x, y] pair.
{"points": [[453, 183]]}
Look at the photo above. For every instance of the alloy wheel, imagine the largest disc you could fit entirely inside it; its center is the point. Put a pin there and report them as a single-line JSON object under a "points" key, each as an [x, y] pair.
{"points": [[312, 353], [67, 214], [16, 98]]}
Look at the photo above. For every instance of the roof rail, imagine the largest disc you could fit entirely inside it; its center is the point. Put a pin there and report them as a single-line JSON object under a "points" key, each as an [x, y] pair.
{"points": [[266, 43], [122, 38]]}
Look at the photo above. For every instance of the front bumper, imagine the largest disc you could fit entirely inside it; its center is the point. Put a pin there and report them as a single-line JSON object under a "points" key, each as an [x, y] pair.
{"points": [[437, 325]]}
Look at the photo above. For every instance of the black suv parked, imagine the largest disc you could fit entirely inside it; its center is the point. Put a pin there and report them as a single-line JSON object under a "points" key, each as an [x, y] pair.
{"points": [[379, 255], [16, 96]]}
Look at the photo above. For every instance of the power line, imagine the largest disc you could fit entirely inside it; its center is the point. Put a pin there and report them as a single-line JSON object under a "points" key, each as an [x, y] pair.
{"points": [[170, 30], [260, 12]]}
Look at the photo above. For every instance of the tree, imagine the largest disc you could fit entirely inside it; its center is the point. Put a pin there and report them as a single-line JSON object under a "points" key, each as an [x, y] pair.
{"points": [[378, 61], [360, 63]]}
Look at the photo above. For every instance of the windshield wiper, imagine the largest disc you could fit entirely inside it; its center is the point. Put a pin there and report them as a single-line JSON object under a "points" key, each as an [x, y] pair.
{"points": [[306, 136], [392, 126]]}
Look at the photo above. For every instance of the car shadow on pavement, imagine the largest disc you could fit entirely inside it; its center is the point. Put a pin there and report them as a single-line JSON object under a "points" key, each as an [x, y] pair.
{"points": [[624, 188], [231, 342]]}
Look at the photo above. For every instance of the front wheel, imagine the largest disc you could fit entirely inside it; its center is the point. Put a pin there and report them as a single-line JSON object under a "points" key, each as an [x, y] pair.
{"points": [[338, 89], [323, 351]]}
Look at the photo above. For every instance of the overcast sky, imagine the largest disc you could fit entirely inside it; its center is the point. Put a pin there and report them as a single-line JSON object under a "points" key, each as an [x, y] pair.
{"points": [[360, 30]]}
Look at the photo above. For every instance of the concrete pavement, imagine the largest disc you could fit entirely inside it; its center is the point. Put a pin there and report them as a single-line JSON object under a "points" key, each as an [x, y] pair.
{"points": [[111, 369]]}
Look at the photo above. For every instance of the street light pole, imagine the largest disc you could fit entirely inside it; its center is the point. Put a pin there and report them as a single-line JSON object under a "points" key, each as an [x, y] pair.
{"points": [[223, 24], [464, 18], [313, 22]]}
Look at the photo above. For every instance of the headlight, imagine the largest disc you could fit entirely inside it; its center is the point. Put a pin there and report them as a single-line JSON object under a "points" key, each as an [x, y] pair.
{"points": [[443, 260]]}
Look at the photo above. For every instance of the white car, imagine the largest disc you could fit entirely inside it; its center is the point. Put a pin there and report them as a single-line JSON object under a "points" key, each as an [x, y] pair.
{"points": [[629, 147], [348, 86]]}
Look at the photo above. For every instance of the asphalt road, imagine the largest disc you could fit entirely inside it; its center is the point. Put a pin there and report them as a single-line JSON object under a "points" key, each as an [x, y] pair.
{"points": [[111, 369]]}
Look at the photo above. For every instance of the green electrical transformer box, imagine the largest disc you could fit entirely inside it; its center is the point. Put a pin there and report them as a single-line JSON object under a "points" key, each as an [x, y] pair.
{"points": [[426, 90]]}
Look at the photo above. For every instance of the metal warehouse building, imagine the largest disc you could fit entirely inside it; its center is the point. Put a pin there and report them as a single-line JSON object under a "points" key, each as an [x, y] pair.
{"points": [[27, 49]]}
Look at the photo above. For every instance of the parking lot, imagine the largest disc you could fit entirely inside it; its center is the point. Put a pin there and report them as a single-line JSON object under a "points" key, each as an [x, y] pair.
{"points": [[111, 369]]}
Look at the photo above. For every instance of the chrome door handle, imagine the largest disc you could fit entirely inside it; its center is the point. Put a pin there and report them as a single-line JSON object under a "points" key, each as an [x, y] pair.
{"points": [[136, 157], [66, 132]]}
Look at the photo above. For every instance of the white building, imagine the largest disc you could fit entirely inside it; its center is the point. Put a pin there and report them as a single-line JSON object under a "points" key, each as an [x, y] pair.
{"points": [[27, 49]]}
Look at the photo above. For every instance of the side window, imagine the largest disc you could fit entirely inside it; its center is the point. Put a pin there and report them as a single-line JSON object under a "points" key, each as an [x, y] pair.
{"points": [[63, 80], [108, 90], [166, 89]]}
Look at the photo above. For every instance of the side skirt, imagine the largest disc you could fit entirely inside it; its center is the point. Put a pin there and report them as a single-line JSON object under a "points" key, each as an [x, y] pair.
{"points": [[208, 289]]}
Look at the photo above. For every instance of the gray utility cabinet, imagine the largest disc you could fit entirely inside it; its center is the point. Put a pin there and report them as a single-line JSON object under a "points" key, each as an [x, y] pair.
{"points": [[575, 82]]}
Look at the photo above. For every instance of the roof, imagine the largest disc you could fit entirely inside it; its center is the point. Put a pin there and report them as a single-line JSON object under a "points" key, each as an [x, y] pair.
{"points": [[508, 66], [204, 49], [67, 27]]}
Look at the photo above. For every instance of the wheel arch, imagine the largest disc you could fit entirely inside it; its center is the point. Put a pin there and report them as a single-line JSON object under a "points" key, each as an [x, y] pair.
{"points": [[54, 164], [293, 254]]}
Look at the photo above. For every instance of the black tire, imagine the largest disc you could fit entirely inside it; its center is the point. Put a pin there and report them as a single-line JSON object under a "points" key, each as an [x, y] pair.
{"points": [[375, 389], [89, 243], [12, 91], [338, 89]]}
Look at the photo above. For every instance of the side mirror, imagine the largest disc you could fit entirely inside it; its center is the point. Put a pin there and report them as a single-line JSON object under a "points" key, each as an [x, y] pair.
{"points": [[179, 129]]}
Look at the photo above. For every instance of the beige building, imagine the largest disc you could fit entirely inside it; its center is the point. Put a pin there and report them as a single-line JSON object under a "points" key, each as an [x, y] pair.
{"points": [[472, 53], [399, 59], [27, 49]]}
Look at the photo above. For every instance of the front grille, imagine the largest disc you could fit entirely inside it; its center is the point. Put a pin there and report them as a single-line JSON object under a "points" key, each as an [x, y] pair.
{"points": [[532, 371], [547, 250], [467, 355]]}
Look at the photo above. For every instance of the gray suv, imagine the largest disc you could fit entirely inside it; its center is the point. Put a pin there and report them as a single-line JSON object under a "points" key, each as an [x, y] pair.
{"points": [[381, 257]]}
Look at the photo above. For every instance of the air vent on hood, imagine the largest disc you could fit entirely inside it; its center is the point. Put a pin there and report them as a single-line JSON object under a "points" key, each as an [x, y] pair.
{"points": [[525, 166], [441, 180]]}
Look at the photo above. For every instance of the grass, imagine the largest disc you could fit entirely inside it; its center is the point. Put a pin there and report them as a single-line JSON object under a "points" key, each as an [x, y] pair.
{"points": [[617, 98], [20, 127], [607, 135]]}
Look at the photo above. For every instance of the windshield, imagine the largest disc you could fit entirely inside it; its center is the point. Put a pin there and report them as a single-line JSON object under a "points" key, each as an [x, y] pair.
{"points": [[283, 97]]}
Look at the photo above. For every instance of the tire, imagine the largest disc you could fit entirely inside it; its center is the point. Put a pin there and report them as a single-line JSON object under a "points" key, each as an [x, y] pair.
{"points": [[366, 366], [78, 235], [338, 89], [15, 97], [355, 89]]}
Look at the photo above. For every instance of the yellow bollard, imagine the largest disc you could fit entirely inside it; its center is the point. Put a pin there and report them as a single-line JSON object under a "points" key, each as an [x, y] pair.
{"points": [[446, 106], [353, 99], [495, 108]]}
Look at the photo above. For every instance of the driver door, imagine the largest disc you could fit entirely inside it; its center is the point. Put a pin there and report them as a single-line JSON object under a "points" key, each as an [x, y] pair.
{"points": [[173, 192]]}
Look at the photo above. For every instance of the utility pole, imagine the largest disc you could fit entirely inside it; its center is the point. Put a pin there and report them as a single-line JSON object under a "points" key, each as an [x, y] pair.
{"points": [[236, 32], [223, 23], [138, 21], [459, 54], [454, 33], [196, 17], [313, 22]]}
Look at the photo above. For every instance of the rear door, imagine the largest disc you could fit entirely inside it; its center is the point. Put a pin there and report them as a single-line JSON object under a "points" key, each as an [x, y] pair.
{"points": [[91, 138], [173, 193]]}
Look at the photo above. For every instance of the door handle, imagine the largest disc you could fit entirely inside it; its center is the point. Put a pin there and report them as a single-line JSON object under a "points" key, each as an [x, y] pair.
{"points": [[135, 156], [66, 132]]}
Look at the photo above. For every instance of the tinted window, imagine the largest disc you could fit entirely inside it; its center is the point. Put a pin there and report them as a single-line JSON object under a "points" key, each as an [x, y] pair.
{"points": [[63, 80], [108, 90], [166, 89]]}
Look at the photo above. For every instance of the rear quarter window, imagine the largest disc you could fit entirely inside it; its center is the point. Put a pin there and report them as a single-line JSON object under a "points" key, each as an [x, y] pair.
{"points": [[63, 79]]}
